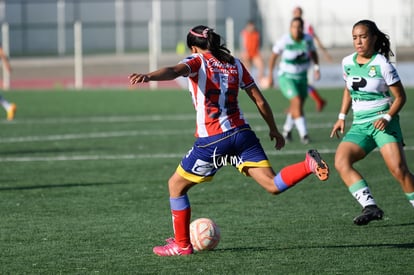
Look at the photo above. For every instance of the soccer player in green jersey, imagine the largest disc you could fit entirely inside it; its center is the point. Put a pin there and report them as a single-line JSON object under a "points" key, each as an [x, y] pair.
{"points": [[375, 93], [309, 29], [297, 52]]}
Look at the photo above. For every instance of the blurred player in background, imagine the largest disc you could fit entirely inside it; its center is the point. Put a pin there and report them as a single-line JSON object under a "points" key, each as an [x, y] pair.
{"points": [[309, 29], [9, 107], [297, 52], [222, 133], [375, 93], [250, 49]]}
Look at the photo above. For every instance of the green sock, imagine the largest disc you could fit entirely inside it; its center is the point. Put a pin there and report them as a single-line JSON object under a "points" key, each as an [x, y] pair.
{"points": [[410, 197]]}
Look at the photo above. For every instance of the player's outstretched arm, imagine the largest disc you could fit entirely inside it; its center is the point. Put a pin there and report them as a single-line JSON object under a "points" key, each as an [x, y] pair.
{"points": [[320, 46], [166, 73]]}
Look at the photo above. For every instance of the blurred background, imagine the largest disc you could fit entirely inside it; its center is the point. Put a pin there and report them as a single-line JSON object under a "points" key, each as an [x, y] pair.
{"points": [[123, 36]]}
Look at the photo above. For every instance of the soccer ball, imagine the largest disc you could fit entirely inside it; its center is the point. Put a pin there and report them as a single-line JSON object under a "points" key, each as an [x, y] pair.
{"points": [[204, 234]]}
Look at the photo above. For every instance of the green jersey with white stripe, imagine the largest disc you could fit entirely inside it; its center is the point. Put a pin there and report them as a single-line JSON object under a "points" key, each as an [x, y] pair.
{"points": [[368, 84], [295, 55]]}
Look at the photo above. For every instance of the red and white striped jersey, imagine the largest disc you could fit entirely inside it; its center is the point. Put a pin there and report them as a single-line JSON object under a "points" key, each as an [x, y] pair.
{"points": [[214, 88]]}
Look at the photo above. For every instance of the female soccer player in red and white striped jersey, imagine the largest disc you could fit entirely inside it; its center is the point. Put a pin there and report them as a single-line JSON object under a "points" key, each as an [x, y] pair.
{"points": [[223, 135]]}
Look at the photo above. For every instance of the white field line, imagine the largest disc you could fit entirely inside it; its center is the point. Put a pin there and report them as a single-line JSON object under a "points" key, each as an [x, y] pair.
{"points": [[132, 133], [105, 119], [133, 156], [115, 134], [93, 135], [120, 119], [177, 156], [148, 118]]}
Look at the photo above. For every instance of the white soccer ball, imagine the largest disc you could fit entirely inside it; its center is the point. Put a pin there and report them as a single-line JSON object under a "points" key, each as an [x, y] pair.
{"points": [[204, 234]]}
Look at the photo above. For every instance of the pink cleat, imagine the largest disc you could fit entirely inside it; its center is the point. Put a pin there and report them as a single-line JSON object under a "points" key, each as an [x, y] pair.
{"points": [[172, 249], [317, 165]]}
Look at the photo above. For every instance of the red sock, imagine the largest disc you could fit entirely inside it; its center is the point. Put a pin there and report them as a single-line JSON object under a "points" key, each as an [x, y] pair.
{"points": [[314, 95], [181, 224], [294, 173]]}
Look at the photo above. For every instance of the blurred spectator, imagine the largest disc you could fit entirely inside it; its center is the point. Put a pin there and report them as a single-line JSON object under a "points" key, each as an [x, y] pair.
{"points": [[250, 49], [9, 107]]}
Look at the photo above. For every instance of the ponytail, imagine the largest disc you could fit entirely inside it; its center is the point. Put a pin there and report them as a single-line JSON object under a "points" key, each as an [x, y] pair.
{"points": [[206, 39], [383, 44]]}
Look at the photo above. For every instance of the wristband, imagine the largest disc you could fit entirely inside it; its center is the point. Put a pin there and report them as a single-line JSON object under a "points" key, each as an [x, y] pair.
{"points": [[316, 67], [387, 117], [342, 116]]}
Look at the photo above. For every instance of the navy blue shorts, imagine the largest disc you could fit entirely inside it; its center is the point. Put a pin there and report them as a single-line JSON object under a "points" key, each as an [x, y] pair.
{"points": [[238, 147]]}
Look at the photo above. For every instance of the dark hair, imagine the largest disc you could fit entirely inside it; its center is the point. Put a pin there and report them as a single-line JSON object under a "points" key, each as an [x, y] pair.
{"points": [[206, 39], [250, 21], [297, 19], [382, 45]]}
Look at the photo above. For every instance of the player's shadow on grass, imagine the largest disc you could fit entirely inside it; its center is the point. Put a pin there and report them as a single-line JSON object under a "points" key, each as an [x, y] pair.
{"points": [[396, 225], [65, 185], [385, 245]]}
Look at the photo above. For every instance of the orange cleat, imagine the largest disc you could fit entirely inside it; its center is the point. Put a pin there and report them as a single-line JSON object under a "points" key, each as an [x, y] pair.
{"points": [[317, 165], [11, 111]]}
